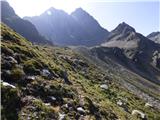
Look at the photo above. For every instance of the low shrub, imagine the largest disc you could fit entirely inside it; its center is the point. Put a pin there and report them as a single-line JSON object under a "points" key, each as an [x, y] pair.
{"points": [[17, 74]]}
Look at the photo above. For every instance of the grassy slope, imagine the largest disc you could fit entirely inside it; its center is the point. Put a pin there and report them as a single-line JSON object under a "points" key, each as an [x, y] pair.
{"points": [[85, 78]]}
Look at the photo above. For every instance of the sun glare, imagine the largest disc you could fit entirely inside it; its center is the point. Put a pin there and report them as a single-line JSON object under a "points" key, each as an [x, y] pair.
{"points": [[36, 7]]}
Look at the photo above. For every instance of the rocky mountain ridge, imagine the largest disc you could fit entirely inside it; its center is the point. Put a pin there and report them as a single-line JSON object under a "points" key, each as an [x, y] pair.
{"points": [[64, 29], [23, 27]]}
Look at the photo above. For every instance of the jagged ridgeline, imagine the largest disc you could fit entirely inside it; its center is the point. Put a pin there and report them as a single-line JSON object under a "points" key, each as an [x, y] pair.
{"points": [[42, 82]]}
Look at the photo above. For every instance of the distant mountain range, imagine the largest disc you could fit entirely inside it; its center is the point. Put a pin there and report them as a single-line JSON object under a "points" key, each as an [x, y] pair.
{"points": [[21, 26], [79, 28], [154, 36], [123, 45], [134, 51]]}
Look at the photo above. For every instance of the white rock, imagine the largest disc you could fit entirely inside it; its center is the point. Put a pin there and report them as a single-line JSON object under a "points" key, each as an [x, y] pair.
{"points": [[10, 58], [135, 112], [53, 98], [7, 84], [31, 77], [61, 116], [120, 103], [148, 105], [66, 105], [45, 72], [47, 104], [80, 109], [104, 86]]}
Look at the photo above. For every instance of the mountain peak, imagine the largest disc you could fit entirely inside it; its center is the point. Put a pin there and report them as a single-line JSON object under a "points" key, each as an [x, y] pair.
{"points": [[124, 28], [79, 11], [7, 8], [52, 9]]}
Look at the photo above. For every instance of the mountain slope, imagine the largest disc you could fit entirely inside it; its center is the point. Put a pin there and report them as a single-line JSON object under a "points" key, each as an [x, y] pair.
{"points": [[23, 27], [65, 85], [154, 36], [64, 29], [135, 52]]}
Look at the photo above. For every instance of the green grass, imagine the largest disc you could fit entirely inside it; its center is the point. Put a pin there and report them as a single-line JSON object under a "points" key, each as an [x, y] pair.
{"points": [[97, 102]]}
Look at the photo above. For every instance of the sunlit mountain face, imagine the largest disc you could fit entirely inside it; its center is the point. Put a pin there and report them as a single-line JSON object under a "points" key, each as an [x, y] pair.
{"points": [[72, 31], [67, 66]]}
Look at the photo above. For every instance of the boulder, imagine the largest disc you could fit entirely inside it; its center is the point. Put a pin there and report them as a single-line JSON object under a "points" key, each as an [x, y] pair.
{"points": [[52, 99], [30, 78], [47, 104], [148, 105], [7, 84], [137, 112], [45, 72], [119, 102], [80, 110], [11, 60], [61, 116], [104, 86]]}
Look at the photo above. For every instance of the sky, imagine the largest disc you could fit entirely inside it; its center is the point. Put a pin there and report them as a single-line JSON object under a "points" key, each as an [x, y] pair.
{"points": [[143, 15]]}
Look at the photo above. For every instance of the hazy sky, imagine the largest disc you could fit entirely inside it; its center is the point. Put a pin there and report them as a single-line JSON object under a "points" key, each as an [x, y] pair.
{"points": [[143, 15]]}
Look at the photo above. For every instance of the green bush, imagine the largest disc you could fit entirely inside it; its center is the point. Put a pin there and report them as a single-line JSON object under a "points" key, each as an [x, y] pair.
{"points": [[10, 103], [32, 66], [6, 50], [17, 74]]}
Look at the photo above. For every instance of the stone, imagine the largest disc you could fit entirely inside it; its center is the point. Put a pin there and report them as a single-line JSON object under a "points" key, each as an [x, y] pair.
{"points": [[148, 105], [8, 84], [80, 110], [53, 98], [119, 102], [104, 86], [45, 72], [11, 59], [47, 104], [30, 78], [137, 112], [61, 116]]}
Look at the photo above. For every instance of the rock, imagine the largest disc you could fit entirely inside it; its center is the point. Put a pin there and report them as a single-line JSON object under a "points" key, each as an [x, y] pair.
{"points": [[47, 104], [53, 98], [27, 100], [137, 112], [11, 60], [104, 86], [45, 72], [148, 105], [119, 102], [61, 116], [7, 84], [30, 78], [81, 110]]}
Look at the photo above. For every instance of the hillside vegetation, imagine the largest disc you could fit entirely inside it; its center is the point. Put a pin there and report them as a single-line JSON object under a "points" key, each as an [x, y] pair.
{"points": [[45, 82]]}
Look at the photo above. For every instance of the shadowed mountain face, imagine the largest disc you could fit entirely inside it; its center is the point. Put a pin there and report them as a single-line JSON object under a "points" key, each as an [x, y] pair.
{"points": [[134, 51], [23, 27], [79, 28], [154, 36]]}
